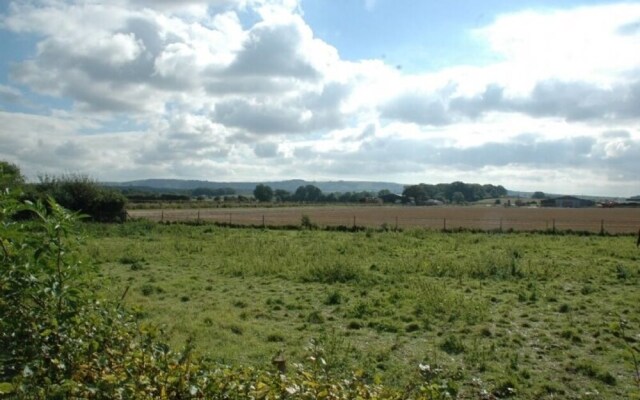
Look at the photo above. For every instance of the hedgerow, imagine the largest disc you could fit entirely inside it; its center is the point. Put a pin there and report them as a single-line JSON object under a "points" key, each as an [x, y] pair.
{"points": [[59, 341]]}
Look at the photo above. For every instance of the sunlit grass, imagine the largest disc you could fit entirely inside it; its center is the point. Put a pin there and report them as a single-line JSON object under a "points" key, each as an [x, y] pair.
{"points": [[539, 313]]}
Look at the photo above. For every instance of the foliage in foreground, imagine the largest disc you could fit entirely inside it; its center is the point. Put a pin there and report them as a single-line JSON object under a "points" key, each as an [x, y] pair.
{"points": [[57, 340]]}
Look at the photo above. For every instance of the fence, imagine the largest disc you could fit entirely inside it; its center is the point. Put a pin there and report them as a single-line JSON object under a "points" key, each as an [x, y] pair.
{"points": [[585, 220]]}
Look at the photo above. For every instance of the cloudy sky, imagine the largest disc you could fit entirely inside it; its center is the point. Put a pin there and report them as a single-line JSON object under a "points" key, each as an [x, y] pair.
{"points": [[525, 94]]}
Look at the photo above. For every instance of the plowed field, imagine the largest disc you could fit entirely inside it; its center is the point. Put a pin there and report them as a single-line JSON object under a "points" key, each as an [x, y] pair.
{"points": [[612, 220]]}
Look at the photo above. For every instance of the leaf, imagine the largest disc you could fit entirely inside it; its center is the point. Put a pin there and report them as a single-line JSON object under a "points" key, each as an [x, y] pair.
{"points": [[6, 388]]}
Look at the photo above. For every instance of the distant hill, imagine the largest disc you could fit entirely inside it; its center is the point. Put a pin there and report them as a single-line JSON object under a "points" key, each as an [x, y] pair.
{"points": [[247, 187]]}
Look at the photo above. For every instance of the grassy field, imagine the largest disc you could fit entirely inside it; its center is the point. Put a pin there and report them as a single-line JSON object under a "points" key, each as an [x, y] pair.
{"points": [[612, 220], [524, 315]]}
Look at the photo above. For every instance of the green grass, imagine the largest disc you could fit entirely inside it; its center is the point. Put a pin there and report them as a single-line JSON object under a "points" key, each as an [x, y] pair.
{"points": [[523, 315]]}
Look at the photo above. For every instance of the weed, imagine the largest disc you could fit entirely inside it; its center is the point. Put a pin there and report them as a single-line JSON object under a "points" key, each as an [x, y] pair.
{"points": [[240, 304], [334, 273], [147, 290], [412, 327], [305, 223], [452, 345], [275, 338], [333, 298], [315, 317], [355, 325], [236, 329], [622, 273]]}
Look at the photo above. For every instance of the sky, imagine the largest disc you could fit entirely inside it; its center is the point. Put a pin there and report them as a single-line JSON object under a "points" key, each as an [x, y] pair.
{"points": [[532, 95]]}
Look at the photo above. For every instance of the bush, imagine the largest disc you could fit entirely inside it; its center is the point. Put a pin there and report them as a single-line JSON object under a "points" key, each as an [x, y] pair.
{"points": [[82, 194]]}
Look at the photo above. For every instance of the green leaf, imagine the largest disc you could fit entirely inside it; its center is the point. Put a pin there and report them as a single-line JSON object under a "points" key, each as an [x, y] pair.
{"points": [[6, 388]]}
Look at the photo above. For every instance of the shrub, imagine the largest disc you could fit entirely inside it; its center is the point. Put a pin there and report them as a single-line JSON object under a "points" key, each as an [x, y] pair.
{"points": [[305, 223], [82, 194]]}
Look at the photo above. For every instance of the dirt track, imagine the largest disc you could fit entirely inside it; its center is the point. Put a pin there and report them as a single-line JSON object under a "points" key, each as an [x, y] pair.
{"points": [[613, 220]]}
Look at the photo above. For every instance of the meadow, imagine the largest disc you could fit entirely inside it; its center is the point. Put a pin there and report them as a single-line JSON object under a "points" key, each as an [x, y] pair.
{"points": [[523, 315]]}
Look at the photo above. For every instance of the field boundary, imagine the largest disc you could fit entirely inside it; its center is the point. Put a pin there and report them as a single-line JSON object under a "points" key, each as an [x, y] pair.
{"points": [[600, 221]]}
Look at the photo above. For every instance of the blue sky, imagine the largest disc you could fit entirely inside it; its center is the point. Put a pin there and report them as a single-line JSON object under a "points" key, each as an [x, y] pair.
{"points": [[529, 95]]}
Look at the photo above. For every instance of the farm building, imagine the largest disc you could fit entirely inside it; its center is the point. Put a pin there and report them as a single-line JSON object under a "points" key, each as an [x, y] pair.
{"points": [[567, 202]]}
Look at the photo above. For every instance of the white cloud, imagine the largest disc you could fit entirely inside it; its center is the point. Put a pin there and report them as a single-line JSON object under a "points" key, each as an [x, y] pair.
{"points": [[573, 44], [10, 95], [210, 95]]}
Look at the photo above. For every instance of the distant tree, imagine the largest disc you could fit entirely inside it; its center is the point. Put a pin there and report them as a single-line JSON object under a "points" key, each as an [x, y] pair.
{"points": [[282, 195], [457, 198], [263, 193], [331, 198], [538, 195], [418, 192], [384, 192], [212, 192], [10, 176], [308, 193]]}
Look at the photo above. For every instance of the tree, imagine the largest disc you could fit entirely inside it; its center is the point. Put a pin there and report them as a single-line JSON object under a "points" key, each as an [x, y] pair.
{"points": [[538, 195], [10, 176], [282, 195], [308, 193], [263, 193], [457, 198], [416, 191]]}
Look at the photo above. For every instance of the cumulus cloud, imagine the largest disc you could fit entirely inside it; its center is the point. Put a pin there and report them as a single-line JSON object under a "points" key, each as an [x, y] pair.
{"points": [[205, 89], [10, 95], [266, 150], [273, 50]]}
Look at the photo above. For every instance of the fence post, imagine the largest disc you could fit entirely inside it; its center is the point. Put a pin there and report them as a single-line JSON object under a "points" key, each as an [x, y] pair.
{"points": [[354, 222], [263, 225], [396, 223], [198, 216], [554, 226], [500, 224], [444, 226], [230, 218], [602, 227], [162, 216]]}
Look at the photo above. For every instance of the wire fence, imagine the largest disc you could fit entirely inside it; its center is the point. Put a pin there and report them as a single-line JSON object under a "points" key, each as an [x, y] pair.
{"points": [[616, 223]]}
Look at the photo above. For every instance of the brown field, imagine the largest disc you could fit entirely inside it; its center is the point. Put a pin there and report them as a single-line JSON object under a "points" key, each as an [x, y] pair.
{"points": [[612, 220]]}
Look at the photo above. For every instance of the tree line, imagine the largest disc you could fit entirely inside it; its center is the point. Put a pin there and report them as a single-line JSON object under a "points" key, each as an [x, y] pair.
{"points": [[456, 192], [309, 194], [147, 194]]}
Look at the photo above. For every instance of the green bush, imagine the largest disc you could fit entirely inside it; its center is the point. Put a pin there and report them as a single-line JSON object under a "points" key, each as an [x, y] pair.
{"points": [[82, 194]]}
